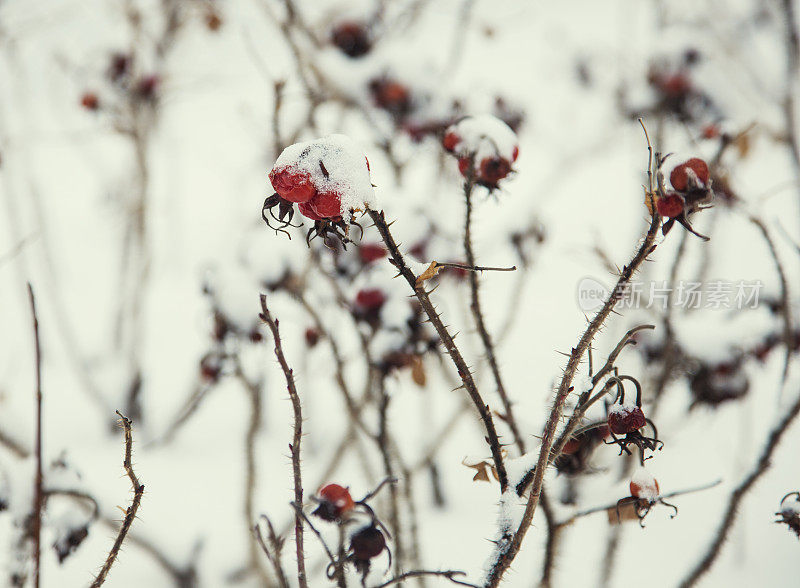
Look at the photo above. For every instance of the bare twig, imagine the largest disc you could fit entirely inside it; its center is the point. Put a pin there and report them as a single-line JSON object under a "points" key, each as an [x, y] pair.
{"points": [[130, 512], [38, 495], [786, 308], [736, 497], [510, 544], [447, 340], [449, 574], [273, 552], [294, 447], [480, 324]]}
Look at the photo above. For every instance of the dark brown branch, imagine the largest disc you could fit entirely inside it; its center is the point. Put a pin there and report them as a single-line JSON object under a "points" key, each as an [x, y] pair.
{"points": [[736, 497], [480, 324], [786, 308], [38, 495], [294, 448], [273, 552], [130, 512], [447, 340], [383, 443], [509, 546], [449, 574]]}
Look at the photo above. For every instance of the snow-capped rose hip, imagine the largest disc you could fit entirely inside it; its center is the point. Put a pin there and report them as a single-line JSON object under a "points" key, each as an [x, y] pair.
{"points": [[328, 179], [352, 38], [334, 502], [645, 494], [291, 184], [644, 487], [485, 147], [628, 419], [625, 419], [689, 175]]}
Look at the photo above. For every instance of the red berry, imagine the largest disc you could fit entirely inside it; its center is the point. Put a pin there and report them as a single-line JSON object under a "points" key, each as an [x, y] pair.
{"points": [[370, 299], [710, 131], [367, 543], [369, 252], [326, 205], [623, 419], [493, 169], [641, 488], [334, 501], [670, 205], [515, 153], [147, 86], [571, 446], [352, 38], [312, 337], [391, 95], [119, 67], [90, 101], [679, 178], [450, 141], [463, 165], [292, 185], [674, 85], [308, 212]]}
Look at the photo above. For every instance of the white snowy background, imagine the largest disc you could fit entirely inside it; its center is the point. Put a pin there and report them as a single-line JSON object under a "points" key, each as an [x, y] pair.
{"points": [[68, 181]]}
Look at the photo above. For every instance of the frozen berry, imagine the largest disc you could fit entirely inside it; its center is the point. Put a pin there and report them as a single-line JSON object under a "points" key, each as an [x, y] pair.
{"points": [[492, 170], [352, 39], [367, 543], [670, 205], [90, 101], [625, 419], [694, 169], [450, 141], [391, 96], [334, 501], [312, 337], [147, 86], [292, 185], [369, 252], [644, 485], [326, 205], [370, 299], [119, 67]]}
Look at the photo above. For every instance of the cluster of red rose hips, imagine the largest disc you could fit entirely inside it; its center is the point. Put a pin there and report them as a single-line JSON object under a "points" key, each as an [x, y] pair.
{"points": [[139, 88], [485, 147], [691, 192], [336, 505], [327, 178]]}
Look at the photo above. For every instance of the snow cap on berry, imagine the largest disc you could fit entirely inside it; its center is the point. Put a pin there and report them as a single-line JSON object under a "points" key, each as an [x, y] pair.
{"points": [[334, 501], [644, 485], [689, 175], [625, 418], [334, 167], [483, 136]]}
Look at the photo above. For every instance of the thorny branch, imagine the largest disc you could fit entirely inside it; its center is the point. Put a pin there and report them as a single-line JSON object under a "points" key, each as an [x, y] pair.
{"points": [[510, 544], [130, 512], [298, 436], [736, 497], [273, 551], [447, 340]]}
